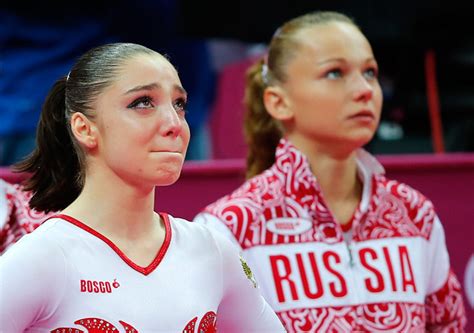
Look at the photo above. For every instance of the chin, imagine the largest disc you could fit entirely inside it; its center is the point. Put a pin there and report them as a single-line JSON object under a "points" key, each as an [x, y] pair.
{"points": [[355, 143], [363, 137], [166, 183], [164, 178]]}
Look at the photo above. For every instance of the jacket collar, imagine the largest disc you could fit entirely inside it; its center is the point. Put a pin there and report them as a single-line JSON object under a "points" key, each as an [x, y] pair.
{"points": [[289, 158]]}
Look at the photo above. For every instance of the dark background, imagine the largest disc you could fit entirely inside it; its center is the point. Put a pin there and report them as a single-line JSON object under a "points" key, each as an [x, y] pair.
{"points": [[401, 32]]}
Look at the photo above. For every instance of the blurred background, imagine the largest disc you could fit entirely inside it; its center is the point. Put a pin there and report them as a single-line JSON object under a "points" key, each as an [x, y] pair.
{"points": [[425, 50]]}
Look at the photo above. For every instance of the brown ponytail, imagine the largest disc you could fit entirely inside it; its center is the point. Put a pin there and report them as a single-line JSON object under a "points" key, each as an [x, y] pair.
{"points": [[262, 133], [54, 164]]}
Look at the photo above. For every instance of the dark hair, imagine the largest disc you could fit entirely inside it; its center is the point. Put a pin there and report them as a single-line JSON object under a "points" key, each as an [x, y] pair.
{"points": [[57, 165], [262, 132]]}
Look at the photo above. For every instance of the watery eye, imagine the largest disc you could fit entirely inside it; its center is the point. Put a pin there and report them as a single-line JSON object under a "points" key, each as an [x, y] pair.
{"points": [[334, 74], [370, 73], [180, 105], [144, 102]]}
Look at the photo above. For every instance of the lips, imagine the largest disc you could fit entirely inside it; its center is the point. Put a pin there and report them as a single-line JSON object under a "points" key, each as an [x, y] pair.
{"points": [[166, 151], [365, 114]]}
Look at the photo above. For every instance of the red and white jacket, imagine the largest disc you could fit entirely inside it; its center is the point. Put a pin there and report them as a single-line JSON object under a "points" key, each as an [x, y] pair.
{"points": [[16, 217], [389, 272]]}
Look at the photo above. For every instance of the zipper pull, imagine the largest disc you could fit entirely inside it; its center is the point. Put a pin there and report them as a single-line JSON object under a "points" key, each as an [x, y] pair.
{"points": [[351, 259]]}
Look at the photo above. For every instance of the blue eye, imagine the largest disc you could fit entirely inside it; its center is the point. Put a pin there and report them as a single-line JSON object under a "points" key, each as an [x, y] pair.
{"points": [[144, 102], [334, 74], [371, 73], [180, 105]]}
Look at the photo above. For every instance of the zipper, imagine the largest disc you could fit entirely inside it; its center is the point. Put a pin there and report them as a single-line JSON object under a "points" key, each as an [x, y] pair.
{"points": [[349, 251]]}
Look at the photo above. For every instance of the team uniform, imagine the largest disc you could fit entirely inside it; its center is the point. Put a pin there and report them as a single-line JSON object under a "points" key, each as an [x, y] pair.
{"points": [[388, 271], [66, 277], [16, 216]]}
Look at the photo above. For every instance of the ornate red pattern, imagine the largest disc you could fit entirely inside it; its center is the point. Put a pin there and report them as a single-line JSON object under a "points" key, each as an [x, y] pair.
{"points": [[21, 219], [97, 325], [190, 327], [395, 210], [289, 189], [392, 317], [206, 325], [128, 328], [445, 307]]}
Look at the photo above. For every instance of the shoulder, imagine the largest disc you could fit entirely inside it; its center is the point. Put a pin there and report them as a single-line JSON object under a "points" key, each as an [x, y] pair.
{"points": [[249, 199], [35, 273], [45, 237], [409, 196], [198, 232], [40, 252], [184, 230], [416, 208]]}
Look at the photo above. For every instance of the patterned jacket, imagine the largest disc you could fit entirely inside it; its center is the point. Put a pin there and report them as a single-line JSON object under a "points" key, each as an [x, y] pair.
{"points": [[16, 216], [389, 271]]}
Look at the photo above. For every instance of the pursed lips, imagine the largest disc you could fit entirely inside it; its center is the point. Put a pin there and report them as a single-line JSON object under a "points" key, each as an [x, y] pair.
{"points": [[166, 151], [364, 114]]}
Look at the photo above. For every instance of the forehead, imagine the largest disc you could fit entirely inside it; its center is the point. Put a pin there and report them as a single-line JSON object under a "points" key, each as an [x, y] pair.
{"points": [[144, 69], [334, 39]]}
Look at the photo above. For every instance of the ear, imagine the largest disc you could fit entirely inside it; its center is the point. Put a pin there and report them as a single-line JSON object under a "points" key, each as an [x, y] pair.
{"points": [[84, 130], [277, 103]]}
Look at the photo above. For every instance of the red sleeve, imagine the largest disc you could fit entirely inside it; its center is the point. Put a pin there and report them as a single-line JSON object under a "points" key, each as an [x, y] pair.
{"points": [[445, 309], [19, 219]]}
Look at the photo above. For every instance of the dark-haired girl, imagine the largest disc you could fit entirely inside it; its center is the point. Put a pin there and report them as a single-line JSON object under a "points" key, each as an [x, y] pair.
{"points": [[110, 131]]}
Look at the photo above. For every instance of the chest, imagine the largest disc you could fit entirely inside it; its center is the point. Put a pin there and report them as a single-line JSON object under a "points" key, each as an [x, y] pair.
{"points": [[308, 275], [103, 292]]}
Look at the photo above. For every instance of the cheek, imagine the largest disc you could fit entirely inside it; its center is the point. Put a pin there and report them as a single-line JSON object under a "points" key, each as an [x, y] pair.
{"points": [[186, 133], [326, 100], [378, 100], [129, 142]]}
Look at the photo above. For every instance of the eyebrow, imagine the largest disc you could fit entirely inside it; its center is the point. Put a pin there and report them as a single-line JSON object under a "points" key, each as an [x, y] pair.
{"points": [[152, 86], [343, 60], [331, 60]]}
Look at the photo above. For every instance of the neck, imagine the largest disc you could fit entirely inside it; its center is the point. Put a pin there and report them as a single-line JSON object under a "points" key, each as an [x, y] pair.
{"points": [[335, 168], [337, 178], [113, 207]]}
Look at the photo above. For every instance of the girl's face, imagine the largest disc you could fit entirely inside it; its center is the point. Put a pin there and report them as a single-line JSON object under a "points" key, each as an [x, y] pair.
{"points": [[142, 131], [332, 90]]}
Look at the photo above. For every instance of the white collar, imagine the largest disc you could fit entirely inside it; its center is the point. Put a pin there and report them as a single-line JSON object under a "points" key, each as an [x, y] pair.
{"points": [[367, 167]]}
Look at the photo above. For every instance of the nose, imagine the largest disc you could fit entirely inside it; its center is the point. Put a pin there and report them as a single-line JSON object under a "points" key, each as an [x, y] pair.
{"points": [[171, 123], [363, 89]]}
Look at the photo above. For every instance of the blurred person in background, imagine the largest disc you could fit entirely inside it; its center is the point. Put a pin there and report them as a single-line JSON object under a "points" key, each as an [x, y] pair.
{"points": [[16, 216], [334, 244]]}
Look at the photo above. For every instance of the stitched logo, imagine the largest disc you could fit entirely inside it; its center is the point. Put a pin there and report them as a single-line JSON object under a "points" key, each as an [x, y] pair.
{"points": [[289, 226], [98, 287]]}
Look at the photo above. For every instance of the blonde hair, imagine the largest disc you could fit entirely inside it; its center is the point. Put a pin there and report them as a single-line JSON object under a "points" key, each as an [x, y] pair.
{"points": [[262, 132]]}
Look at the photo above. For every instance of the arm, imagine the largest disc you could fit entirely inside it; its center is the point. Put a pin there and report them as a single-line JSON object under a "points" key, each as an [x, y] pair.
{"points": [[242, 309], [31, 285], [444, 305]]}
